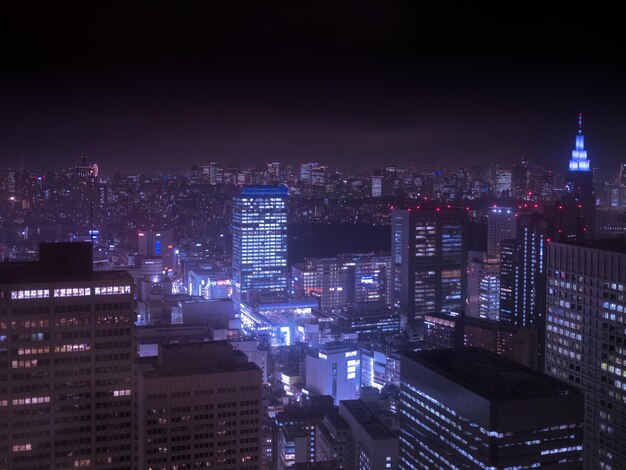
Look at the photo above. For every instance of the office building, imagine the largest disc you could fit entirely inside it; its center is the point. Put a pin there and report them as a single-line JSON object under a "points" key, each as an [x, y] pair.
{"points": [[158, 244], [295, 433], [259, 228], [334, 370], [199, 405], [470, 408], [429, 261], [209, 283], [66, 356], [501, 225], [580, 182], [516, 343], [442, 332], [365, 322], [523, 277], [483, 286], [586, 339], [294, 446], [375, 446], [350, 280]]}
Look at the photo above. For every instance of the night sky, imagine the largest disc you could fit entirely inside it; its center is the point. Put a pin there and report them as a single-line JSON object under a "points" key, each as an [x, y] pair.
{"points": [[159, 86]]}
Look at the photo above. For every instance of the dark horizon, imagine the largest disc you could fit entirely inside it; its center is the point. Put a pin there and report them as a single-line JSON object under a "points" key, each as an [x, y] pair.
{"points": [[158, 88]]}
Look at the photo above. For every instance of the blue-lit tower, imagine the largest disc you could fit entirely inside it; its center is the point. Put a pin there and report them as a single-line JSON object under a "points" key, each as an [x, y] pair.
{"points": [[580, 183], [259, 228]]}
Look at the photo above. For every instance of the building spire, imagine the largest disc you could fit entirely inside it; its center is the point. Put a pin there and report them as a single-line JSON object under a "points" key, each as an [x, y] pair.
{"points": [[580, 123], [579, 161]]}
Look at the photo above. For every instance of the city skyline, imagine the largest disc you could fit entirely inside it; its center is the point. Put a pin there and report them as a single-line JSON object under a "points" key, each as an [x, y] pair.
{"points": [[376, 85], [342, 235]]}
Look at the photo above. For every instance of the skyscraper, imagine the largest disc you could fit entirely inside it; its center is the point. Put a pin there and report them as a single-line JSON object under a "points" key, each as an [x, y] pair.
{"points": [[586, 339], [501, 223], [580, 181], [259, 228], [523, 277], [470, 408], [66, 362], [429, 261]]}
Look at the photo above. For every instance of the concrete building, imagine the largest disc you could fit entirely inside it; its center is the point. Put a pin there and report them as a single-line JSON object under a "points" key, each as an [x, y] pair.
{"points": [[66, 355], [334, 442], [470, 408], [295, 432], [334, 370], [375, 446], [518, 344], [350, 280], [523, 277], [442, 332], [199, 405], [501, 225], [586, 339]]}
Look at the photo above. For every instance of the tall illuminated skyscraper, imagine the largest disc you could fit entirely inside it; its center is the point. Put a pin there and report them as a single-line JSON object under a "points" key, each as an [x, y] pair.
{"points": [[580, 182], [259, 227], [523, 276], [429, 261]]}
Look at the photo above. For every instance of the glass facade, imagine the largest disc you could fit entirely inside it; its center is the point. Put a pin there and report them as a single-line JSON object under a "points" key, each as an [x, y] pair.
{"points": [[260, 242]]}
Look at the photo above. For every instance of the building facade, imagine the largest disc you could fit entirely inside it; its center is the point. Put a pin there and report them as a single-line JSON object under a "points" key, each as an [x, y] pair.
{"points": [[199, 406], [334, 370], [586, 340], [523, 277], [429, 261], [259, 228], [66, 360], [469, 408]]}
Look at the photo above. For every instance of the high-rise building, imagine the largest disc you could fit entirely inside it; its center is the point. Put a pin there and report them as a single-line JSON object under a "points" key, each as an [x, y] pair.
{"points": [[334, 370], [483, 286], [66, 360], [260, 243], [586, 339], [199, 405], [347, 281], [580, 181], [306, 170], [502, 182], [519, 179], [523, 276], [470, 408], [501, 225], [429, 261], [442, 332]]}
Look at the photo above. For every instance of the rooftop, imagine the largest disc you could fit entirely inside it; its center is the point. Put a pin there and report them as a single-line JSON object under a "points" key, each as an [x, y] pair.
{"points": [[264, 191], [336, 347], [489, 375], [367, 419], [610, 244], [58, 262]]}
